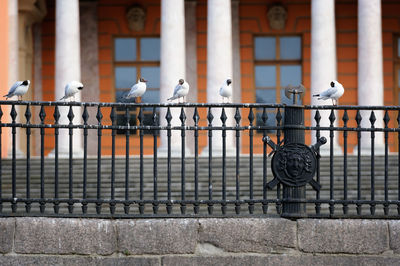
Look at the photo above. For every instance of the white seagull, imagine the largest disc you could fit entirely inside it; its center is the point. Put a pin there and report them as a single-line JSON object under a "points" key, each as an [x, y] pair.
{"points": [[19, 88], [226, 90], [180, 91], [334, 92], [137, 90], [71, 89]]}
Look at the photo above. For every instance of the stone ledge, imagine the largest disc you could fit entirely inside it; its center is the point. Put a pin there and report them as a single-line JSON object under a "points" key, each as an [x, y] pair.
{"points": [[157, 236], [249, 234], [7, 230], [205, 237], [51, 260], [394, 232], [343, 236], [278, 260], [64, 236]]}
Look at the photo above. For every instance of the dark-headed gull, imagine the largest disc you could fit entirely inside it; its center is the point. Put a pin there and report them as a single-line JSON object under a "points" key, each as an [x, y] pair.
{"points": [[71, 89], [19, 88], [226, 90], [180, 91], [137, 90], [334, 92]]}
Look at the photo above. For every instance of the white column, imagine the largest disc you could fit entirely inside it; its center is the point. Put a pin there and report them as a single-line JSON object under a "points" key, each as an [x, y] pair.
{"points": [[172, 67], [219, 66], [12, 42], [13, 66], [370, 73], [68, 68], [323, 62], [191, 65]]}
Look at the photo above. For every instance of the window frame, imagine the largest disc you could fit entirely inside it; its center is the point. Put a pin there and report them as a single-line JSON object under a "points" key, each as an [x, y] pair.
{"points": [[138, 64], [277, 62]]}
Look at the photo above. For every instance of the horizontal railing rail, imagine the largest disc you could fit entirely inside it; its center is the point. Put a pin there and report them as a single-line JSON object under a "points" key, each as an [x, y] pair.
{"points": [[89, 159]]}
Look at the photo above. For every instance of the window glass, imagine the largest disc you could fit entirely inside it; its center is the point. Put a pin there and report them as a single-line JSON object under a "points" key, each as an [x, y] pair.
{"points": [[264, 48], [125, 76], [290, 48], [290, 75], [265, 96], [125, 49], [152, 75], [265, 76], [150, 49], [151, 96]]}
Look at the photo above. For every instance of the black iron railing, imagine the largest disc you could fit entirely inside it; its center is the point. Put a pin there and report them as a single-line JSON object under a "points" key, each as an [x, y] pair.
{"points": [[236, 160]]}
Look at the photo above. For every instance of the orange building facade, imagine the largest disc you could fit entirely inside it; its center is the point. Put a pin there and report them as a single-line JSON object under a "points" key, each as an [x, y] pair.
{"points": [[105, 28]]}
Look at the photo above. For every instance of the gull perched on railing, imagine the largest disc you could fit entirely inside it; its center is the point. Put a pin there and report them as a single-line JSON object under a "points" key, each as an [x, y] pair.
{"points": [[19, 88], [226, 90], [334, 92], [71, 89], [180, 91], [137, 89]]}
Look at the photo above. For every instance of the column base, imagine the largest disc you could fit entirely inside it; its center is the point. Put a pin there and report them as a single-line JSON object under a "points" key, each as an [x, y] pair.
{"points": [[217, 152], [77, 153], [18, 154], [325, 150], [378, 150], [162, 152]]}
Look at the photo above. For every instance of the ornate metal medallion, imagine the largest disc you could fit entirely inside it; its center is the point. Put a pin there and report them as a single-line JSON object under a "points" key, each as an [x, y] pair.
{"points": [[294, 164]]}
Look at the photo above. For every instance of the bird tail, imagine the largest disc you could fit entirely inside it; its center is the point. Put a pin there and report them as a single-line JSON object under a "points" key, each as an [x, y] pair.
{"points": [[7, 96], [62, 98], [171, 99], [316, 95]]}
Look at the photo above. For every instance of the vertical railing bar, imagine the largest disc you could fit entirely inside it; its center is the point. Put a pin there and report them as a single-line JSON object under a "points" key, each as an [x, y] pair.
{"points": [[278, 138], [358, 120], [71, 150], [99, 117], [42, 116], [317, 118], [223, 119], [85, 143], [155, 172], [331, 153], [251, 133], [113, 134], [56, 116], [386, 204], [127, 134], [372, 205], [237, 118], [265, 204], [345, 133], [196, 160], [28, 159], [141, 134], [210, 117], [183, 182], [14, 159], [168, 118]]}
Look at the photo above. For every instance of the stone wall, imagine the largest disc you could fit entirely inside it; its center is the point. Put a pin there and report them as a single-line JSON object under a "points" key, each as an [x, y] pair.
{"points": [[211, 241]]}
